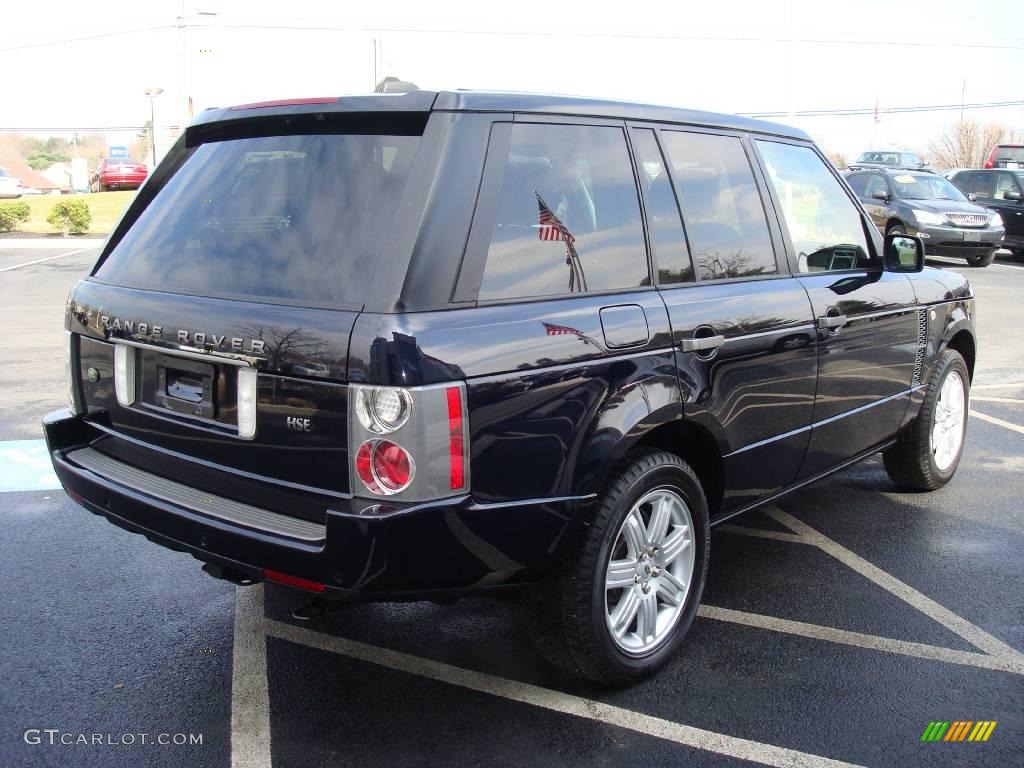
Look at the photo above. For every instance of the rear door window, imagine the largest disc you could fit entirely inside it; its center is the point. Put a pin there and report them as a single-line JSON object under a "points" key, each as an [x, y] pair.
{"points": [[858, 183], [663, 219], [824, 225], [568, 217], [722, 208], [300, 219]]}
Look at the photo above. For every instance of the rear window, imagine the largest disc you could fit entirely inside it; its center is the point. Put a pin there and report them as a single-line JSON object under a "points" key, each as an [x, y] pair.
{"points": [[1010, 154], [292, 218]]}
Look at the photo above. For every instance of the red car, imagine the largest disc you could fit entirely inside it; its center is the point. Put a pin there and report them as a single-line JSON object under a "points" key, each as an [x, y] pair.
{"points": [[118, 174]]}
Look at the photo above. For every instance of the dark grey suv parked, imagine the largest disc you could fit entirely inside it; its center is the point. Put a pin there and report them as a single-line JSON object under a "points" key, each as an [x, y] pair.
{"points": [[929, 206], [1001, 191]]}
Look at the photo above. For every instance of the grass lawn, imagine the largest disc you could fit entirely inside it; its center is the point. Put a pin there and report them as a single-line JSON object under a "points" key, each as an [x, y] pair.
{"points": [[106, 209]]}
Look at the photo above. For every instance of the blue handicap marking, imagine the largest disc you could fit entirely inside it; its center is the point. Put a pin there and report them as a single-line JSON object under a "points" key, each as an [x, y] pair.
{"points": [[25, 466]]}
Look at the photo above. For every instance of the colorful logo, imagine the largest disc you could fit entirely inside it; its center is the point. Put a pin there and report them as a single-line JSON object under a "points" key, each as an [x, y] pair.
{"points": [[958, 730]]}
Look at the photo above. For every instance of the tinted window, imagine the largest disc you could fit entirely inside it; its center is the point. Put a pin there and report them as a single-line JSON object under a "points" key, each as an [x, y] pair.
{"points": [[568, 216], [981, 184], [663, 221], [298, 218], [875, 184], [3, 172], [1005, 182], [858, 183], [824, 224], [722, 208]]}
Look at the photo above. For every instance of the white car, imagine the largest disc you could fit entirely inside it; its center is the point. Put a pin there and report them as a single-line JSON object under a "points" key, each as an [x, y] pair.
{"points": [[10, 186]]}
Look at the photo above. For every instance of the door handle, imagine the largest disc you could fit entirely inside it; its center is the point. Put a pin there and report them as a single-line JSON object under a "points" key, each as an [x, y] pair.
{"points": [[828, 322], [702, 344]]}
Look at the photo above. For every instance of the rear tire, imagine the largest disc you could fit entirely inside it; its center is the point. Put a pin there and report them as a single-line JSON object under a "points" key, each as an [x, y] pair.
{"points": [[981, 261], [896, 229], [928, 451], [651, 525]]}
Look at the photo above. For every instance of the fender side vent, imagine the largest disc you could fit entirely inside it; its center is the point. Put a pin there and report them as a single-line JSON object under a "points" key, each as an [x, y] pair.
{"points": [[922, 343]]}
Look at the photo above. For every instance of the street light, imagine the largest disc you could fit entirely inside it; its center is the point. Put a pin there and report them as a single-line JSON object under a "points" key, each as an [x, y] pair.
{"points": [[153, 93]]}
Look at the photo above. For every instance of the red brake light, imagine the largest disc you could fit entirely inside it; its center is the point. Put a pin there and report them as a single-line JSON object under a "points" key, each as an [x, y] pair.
{"points": [[391, 465], [991, 162], [286, 102], [292, 581], [457, 473]]}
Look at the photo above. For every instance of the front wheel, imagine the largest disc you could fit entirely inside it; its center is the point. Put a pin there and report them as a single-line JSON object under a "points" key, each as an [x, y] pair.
{"points": [[628, 589], [927, 452], [982, 261]]}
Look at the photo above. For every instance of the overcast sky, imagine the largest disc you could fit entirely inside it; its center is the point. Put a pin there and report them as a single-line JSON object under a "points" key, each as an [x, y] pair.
{"points": [[736, 56]]}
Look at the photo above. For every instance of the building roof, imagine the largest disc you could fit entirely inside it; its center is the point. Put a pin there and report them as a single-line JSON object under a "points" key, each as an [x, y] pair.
{"points": [[15, 164]]}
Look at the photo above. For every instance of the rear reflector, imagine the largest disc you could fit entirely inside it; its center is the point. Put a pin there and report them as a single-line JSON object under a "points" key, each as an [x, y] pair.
{"points": [[246, 402], [456, 471], [292, 581], [286, 103], [124, 374]]}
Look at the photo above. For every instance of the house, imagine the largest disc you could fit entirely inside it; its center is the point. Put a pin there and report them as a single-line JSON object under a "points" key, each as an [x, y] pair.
{"points": [[32, 181]]}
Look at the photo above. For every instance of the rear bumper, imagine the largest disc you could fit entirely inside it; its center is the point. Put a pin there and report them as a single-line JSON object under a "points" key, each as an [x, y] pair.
{"points": [[122, 181], [408, 551]]}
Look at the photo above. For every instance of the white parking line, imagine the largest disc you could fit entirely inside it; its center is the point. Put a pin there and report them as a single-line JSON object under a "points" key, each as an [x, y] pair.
{"points": [[1005, 266], [761, 533], [861, 640], [1014, 400], [250, 700], [976, 636], [552, 700], [997, 422], [40, 261], [1004, 385]]}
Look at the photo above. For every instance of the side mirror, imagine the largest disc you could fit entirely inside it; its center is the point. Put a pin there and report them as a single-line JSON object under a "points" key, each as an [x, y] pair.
{"points": [[879, 194], [1011, 195], [903, 253]]}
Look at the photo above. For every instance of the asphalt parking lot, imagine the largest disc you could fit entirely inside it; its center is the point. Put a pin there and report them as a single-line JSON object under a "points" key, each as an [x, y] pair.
{"points": [[835, 626]]}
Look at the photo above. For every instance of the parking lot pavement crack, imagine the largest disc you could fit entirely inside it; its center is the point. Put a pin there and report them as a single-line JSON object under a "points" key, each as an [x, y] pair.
{"points": [[552, 700], [973, 634], [250, 700]]}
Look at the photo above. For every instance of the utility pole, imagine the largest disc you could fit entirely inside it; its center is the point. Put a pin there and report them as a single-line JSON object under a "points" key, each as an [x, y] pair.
{"points": [[153, 93]]}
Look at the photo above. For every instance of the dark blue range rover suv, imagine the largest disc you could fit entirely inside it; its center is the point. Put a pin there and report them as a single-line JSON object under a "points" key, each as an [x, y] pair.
{"points": [[418, 346]]}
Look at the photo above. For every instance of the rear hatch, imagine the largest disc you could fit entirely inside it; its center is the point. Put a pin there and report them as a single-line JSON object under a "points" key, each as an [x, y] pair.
{"points": [[252, 247]]}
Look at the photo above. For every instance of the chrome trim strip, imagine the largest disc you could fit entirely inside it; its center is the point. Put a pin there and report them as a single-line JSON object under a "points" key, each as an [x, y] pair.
{"points": [[208, 505], [577, 364], [776, 332], [884, 313], [193, 353], [823, 422], [478, 506]]}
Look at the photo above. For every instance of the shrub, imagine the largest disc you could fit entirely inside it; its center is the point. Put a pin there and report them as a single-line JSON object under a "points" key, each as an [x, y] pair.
{"points": [[13, 214], [71, 216]]}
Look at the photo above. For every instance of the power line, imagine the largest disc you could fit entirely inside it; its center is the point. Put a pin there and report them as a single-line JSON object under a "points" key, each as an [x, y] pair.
{"points": [[889, 110], [80, 38], [317, 25]]}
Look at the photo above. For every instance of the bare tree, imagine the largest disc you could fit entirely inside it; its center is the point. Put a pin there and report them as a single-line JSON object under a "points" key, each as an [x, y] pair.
{"points": [[838, 159], [966, 144]]}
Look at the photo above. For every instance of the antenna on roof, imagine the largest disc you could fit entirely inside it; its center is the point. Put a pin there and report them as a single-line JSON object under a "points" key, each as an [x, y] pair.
{"points": [[394, 85]]}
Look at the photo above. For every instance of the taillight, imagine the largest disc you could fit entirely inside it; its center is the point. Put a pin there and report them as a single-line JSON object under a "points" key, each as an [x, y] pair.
{"points": [[124, 374], [384, 467], [456, 442], [409, 443], [71, 374], [991, 162]]}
